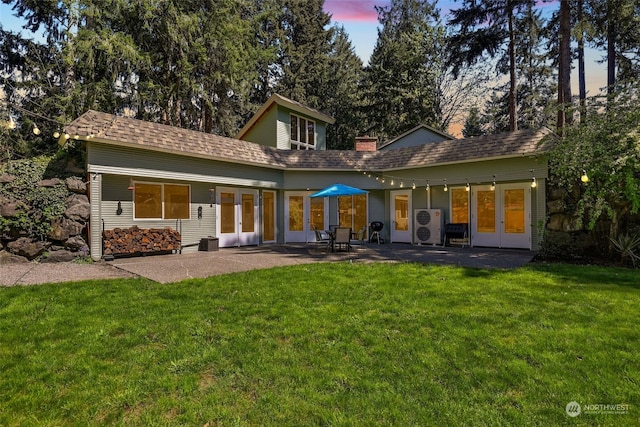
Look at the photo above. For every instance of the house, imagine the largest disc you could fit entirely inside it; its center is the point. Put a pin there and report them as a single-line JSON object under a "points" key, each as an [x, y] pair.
{"points": [[255, 189]]}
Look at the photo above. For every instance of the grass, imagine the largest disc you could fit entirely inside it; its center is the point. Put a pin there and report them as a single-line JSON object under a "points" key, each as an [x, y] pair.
{"points": [[325, 344]]}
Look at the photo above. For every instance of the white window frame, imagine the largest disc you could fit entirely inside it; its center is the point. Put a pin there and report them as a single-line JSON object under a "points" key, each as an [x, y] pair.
{"points": [[295, 140], [161, 184]]}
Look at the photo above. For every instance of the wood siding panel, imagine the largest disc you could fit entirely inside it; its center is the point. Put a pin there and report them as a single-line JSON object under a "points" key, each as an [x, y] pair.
{"points": [[128, 159], [265, 131]]}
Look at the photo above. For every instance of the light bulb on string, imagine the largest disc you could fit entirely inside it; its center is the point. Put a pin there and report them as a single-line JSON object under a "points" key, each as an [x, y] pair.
{"points": [[445, 185], [467, 187], [534, 184], [401, 184], [392, 182], [413, 185], [56, 134], [584, 178], [36, 131], [493, 184], [11, 124], [427, 186]]}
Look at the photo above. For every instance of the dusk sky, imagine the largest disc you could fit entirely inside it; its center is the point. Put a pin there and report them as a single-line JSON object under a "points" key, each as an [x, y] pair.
{"points": [[360, 20]]}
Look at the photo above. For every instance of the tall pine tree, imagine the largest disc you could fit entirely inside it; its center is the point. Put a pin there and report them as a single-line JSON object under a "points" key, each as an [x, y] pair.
{"points": [[402, 78]]}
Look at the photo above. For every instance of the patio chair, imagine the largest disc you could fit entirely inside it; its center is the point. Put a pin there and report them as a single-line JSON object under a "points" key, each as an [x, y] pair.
{"points": [[342, 238], [359, 240], [323, 240]]}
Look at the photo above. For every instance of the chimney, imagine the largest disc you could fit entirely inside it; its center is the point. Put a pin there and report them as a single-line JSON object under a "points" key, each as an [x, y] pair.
{"points": [[366, 143]]}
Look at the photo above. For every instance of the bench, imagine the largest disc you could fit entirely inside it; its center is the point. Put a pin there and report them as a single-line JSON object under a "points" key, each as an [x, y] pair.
{"points": [[456, 231]]}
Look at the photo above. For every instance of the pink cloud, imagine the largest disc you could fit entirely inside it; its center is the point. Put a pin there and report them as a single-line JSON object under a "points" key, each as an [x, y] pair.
{"points": [[353, 10]]}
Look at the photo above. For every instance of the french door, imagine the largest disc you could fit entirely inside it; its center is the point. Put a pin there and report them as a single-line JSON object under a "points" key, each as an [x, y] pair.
{"points": [[237, 219], [501, 217], [302, 213], [400, 219]]}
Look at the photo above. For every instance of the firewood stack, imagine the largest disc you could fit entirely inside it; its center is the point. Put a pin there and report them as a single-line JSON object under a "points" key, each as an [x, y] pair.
{"points": [[134, 240]]}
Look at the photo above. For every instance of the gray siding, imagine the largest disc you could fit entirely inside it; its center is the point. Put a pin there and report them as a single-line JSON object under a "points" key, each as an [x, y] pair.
{"points": [[132, 162], [312, 180], [265, 130], [419, 137]]}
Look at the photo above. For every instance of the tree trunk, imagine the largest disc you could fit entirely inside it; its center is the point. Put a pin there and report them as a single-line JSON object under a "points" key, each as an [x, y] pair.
{"points": [[582, 84], [611, 48], [513, 112], [564, 66]]}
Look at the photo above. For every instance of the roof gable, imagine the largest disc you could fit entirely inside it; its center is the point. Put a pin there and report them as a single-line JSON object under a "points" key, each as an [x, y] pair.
{"points": [[436, 136], [294, 106]]}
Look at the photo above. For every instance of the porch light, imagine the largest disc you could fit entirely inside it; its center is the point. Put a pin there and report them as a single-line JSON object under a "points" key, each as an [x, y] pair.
{"points": [[584, 178]]}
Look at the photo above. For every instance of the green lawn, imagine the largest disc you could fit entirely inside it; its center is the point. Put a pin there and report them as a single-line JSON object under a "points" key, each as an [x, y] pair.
{"points": [[325, 344]]}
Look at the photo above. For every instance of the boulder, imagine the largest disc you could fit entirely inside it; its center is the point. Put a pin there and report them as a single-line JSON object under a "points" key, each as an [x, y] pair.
{"points": [[10, 208], [5, 178], [556, 222], [52, 182], [75, 243], [76, 185], [26, 247], [78, 208], [64, 228], [556, 206], [58, 256]]}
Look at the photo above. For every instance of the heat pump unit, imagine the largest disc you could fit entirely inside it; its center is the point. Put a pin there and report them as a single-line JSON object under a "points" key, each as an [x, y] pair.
{"points": [[428, 226]]}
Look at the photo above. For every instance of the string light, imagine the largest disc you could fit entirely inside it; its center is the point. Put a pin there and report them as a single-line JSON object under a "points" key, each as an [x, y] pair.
{"points": [[493, 184], [467, 187], [445, 185], [401, 184], [413, 185], [427, 187], [584, 178], [534, 184], [36, 131], [392, 182]]}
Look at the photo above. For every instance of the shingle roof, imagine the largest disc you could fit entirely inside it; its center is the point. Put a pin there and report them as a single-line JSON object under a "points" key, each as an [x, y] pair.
{"points": [[125, 131]]}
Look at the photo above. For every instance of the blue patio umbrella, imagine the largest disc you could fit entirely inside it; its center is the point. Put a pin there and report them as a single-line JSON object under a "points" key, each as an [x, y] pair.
{"points": [[338, 190]]}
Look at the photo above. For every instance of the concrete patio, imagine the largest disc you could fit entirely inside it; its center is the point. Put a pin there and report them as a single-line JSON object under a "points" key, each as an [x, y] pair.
{"points": [[176, 267]]}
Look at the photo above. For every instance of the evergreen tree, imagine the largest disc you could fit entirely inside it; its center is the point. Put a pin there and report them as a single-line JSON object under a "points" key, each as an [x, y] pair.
{"points": [[535, 84], [473, 124], [484, 28], [402, 78], [305, 42], [342, 98]]}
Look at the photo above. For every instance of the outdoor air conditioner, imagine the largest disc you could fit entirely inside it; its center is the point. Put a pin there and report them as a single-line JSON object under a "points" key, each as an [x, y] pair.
{"points": [[428, 226]]}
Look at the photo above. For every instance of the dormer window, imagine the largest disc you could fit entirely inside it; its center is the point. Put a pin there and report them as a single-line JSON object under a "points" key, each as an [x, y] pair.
{"points": [[303, 133]]}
